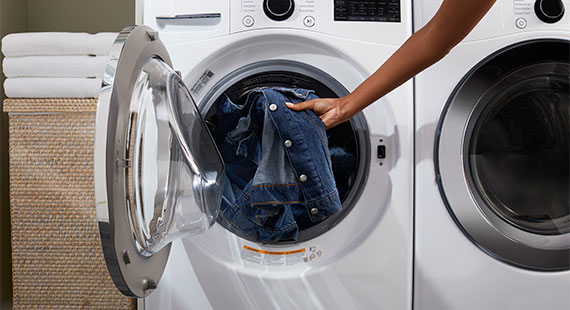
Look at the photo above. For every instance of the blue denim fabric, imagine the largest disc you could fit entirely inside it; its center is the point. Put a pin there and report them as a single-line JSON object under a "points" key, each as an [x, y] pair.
{"points": [[344, 164], [264, 198]]}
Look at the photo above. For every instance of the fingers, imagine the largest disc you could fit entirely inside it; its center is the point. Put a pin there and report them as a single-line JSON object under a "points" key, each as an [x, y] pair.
{"points": [[307, 105], [330, 120], [322, 107], [327, 121], [327, 126], [330, 123]]}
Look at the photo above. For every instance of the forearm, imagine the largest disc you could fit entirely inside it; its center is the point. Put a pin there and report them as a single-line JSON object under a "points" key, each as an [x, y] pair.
{"points": [[453, 21]]}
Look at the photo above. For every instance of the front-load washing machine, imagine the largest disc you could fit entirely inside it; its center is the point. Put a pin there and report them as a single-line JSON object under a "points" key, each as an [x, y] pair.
{"points": [[159, 175], [492, 226]]}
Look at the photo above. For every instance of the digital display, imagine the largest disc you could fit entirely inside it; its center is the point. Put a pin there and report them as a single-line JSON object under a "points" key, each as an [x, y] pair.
{"points": [[367, 10]]}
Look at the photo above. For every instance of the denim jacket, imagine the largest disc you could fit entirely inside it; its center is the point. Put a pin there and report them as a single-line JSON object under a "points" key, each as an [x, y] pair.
{"points": [[278, 165]]}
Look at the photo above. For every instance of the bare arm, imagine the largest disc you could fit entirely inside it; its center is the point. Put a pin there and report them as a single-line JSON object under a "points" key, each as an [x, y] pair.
{"points": [[452, 22]]}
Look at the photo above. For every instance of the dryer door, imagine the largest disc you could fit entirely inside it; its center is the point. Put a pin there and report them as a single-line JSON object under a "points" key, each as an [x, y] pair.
{"points": [[502, 155], [158, 172]]}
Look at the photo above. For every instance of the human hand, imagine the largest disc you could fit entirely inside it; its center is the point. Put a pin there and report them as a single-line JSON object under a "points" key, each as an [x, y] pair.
{"points": [[331, 111]]}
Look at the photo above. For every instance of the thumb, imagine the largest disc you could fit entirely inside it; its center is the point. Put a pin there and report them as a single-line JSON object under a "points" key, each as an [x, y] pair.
{"points": [[301, 106]]}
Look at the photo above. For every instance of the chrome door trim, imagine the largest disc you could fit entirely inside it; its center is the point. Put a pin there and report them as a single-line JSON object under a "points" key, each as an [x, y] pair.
{"points": [[482, 226], [133, 274]]}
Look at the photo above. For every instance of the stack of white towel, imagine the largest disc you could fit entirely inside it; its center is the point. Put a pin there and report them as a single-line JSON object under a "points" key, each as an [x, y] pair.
{"points": [[55, 64]]}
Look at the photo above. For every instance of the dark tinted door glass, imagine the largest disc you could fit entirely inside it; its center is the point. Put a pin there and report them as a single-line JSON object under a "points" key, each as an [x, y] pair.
{"points": [[519, 154]]}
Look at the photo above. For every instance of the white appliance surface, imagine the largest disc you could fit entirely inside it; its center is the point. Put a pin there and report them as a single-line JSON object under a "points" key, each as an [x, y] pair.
{"points": [[364, 262], [450, 272]]}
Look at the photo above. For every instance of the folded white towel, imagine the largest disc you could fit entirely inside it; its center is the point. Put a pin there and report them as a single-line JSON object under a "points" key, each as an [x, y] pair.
{"points": [[57, 43], [54, 66], [52, 87]]}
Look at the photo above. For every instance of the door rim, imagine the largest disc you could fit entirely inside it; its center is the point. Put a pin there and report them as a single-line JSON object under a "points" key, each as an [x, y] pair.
{"points": [[134, 275], [486, 230], [358, 123]]}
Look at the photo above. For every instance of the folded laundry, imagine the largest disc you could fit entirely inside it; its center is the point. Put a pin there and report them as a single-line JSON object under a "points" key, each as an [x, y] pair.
{"points": [[57, 43], [82, 66], [29, 87], [277, 163]]}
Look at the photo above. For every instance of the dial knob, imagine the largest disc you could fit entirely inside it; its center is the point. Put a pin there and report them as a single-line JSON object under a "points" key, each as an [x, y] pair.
{"points": [[278, 10], [549, 11]]}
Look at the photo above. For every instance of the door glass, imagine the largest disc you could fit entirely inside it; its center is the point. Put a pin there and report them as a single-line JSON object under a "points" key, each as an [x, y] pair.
{"points": [[175, 180], [519, 154]]}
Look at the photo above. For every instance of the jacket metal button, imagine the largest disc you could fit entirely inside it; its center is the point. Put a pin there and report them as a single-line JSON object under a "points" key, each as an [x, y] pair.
{"points": [[288, 143], [314, 211], [303, 178], [272, 107]]}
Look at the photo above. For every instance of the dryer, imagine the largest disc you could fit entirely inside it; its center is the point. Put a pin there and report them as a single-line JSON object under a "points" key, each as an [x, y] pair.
{"points": [[158, 173], [492, 225]]}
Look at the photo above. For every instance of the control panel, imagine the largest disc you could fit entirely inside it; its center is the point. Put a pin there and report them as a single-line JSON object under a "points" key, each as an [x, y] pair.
{"points": [[352, 19], [509, 17], [360, 20], [365, 10], [539, 14]]}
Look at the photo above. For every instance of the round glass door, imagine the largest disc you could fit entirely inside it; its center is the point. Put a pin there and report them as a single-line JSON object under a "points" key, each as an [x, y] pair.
{"points": [[502, 155], [158, 172]]}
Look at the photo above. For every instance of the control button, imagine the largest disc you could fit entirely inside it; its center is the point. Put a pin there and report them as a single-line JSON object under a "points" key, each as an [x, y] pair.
{"points": [[520, 23], [309, 21], [288, 143], [248, 21], [314, 211], [272, 107], [303, 178], [549, 11], [278, 10]]}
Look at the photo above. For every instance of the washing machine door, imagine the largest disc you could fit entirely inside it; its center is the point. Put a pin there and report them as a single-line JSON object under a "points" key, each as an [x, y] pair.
{"points": [[157, 173], [502, 155]]}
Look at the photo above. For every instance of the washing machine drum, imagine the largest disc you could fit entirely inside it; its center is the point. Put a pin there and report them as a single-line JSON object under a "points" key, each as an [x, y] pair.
{"points": [[345, 141], [158, 173]]}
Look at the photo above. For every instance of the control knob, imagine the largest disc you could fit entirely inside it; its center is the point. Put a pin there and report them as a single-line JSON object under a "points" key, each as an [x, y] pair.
{"points": [[278, 10], [549, 11]]}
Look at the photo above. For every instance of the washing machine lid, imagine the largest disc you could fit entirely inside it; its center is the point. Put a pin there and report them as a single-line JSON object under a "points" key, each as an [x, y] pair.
{"points": [[157, 171]]}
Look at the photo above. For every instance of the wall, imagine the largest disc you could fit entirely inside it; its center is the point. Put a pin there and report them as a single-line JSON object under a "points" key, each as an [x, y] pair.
{"points": [[46, 15], [80, 15]]}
